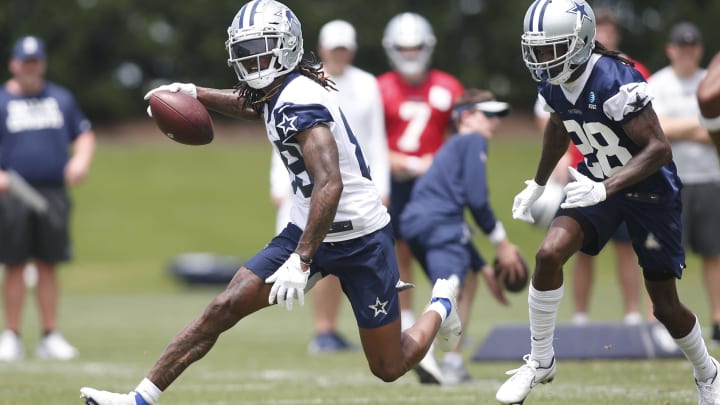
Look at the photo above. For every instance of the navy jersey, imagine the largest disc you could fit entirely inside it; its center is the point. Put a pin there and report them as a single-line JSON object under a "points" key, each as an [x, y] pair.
{"points": [[36, 133], [455, 180], [594, 108]]}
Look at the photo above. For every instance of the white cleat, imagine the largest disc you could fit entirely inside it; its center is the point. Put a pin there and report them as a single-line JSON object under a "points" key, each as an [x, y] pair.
{"points": [[517, 388], [709, 390], [11, 347], [55, 347], [428, 370], [445, 292], [97, 397]]}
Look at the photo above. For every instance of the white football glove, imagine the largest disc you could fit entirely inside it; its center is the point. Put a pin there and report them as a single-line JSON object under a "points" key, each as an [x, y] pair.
{"points": [[525, 200], [583, 192], [188, 88], [289, 282]]}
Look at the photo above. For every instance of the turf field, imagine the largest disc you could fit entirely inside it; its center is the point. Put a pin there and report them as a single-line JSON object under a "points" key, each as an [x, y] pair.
{"points": [[146, 202]]}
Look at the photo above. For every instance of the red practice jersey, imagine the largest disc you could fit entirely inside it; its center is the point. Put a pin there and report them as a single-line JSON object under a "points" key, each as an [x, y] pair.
{"points": [[417, 118]]}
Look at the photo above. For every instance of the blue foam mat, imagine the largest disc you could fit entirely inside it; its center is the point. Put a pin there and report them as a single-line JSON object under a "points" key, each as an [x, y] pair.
{"points": [[586, 342]]}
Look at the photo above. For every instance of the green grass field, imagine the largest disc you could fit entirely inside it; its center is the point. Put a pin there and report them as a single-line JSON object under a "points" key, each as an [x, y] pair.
{"points": [[146, 202]]}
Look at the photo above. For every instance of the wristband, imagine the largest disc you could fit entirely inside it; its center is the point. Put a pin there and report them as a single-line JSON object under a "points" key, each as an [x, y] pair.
{"points": [[498, 233], [304, 259], [711, 124]]}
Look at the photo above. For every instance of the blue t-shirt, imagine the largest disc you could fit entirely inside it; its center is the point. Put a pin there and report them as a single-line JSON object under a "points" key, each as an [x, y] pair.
{"points": [[36, 133], [455, 180]]}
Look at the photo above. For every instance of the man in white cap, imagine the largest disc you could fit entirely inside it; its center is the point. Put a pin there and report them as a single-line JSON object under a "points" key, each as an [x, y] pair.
{"points": [[359, 98]]}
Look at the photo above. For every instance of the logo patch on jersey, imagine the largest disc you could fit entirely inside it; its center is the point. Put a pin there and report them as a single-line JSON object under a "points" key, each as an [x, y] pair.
{"points": [[592, 98], [287, 125], [378, 307], [639, 102]]}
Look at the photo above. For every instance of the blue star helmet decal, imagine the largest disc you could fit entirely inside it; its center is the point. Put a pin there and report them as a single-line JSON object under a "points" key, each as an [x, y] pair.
{"points": [[580, 8]]}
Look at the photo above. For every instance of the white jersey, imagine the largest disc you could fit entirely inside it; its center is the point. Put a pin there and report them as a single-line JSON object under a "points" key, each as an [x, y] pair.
{"points": [[301, 104]]}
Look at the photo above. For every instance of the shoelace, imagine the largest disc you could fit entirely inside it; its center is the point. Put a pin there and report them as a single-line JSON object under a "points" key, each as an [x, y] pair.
{"points": [[527, 369]]}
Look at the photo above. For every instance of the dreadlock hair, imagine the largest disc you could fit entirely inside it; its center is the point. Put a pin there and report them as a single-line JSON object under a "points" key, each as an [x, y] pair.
{"points": [[600, 49], [310, 66]]}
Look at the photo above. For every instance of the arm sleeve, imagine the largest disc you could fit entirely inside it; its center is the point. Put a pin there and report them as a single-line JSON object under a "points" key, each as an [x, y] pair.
{"points": [[475, 179]]}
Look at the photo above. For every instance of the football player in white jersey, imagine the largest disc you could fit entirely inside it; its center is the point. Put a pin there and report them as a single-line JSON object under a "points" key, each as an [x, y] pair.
{"points": [[338, 223]]}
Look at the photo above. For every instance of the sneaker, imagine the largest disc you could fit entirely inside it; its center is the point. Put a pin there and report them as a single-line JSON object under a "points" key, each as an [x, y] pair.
{"points": [[517, 388], [54, 347], [428, 370], [580, 319], [709, 390], [328, 343], [633, 318], [97, 397], [445, 292], [454, 374], [11, 347]]}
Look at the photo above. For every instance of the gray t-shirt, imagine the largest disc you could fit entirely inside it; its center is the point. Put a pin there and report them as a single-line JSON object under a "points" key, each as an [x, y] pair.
{"points": [[675, 97]]}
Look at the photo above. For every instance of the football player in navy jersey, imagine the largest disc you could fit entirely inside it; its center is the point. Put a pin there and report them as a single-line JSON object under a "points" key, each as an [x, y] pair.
{"points": [[601, 104], [338, 224]]}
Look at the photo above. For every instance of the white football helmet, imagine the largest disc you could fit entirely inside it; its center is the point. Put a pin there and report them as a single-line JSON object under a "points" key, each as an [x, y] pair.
{"points": [[264, 31], [409, 30], [568, 27]]}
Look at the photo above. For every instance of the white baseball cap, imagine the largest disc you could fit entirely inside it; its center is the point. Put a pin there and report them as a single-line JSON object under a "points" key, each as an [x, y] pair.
{"points": [[337, 34]]}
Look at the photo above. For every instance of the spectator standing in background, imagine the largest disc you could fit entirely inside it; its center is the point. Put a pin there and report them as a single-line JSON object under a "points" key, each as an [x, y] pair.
{"points": [[608, 32], [709, 100], [39, 123], [675, 87], [418, 101]]}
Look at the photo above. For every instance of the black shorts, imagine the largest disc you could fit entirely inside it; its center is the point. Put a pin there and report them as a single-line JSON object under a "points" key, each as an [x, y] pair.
{"points": [[25, 234]]}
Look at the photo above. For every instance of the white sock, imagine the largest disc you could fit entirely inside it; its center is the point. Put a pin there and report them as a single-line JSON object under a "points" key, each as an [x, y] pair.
{"points": [[693, 346], [453, 358], [148, 390], [543, 314], [407, 319]]}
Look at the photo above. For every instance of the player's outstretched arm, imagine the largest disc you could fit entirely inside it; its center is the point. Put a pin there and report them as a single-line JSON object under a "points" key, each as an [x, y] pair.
{"points": [[226, 102]]}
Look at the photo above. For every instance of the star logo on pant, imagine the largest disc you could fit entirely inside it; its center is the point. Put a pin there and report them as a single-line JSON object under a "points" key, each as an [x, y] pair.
{"points": [[378, 307]]}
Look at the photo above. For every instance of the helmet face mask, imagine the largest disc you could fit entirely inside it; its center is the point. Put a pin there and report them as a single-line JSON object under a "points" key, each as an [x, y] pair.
{"points": [[264, 42], [563, 32], [409, 43]]}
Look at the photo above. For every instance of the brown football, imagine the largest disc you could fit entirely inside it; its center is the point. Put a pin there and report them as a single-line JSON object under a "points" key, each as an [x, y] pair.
{"points": [[520, 281], [181, 117]]}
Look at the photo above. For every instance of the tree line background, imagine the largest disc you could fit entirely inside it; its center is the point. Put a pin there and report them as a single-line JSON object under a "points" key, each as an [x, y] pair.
{"points": [[110, 52]]}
